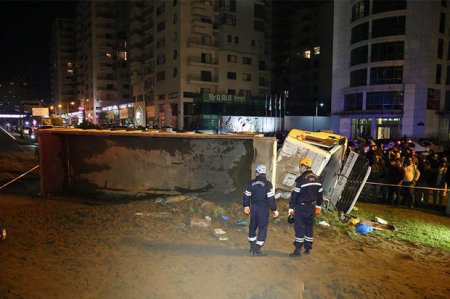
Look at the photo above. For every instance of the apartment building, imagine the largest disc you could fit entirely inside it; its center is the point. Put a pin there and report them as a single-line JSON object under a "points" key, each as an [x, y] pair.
{"points": [[391, 70], [12, 93], [102, 70], [62, 68], [138, 14], [302, 53], [200, 57], [165, 63]]}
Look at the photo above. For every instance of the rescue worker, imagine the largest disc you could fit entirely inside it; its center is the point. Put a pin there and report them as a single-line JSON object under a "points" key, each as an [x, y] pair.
{"points": [[259, 197], [305, 202]]}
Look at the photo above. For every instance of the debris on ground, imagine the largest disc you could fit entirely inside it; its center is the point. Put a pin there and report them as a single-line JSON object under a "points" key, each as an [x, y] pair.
{"points": [[353, 221], [363, 228], [324, 224], [241, 222], [171, 199], [198, 222], [380, 220], [379, 226], [220, 233]]}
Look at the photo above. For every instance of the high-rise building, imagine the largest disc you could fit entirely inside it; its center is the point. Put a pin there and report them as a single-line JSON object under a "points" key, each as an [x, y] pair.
{"points": [[199, 58], [168, 63], [138, 13], [62, 69], [302, 52], [102, 70], [391, 70], [12, 93]]}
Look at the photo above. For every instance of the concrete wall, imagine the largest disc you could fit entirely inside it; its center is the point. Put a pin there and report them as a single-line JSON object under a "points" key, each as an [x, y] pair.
{"points": [[307, 123], [91, 162]]}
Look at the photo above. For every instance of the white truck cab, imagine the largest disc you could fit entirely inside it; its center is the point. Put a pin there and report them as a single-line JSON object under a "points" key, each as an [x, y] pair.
{"points": [[343, 177]]}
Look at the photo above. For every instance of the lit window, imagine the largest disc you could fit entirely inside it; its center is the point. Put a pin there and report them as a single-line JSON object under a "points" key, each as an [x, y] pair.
{"points": [[316, 50], [307, 54], [121, 55]]}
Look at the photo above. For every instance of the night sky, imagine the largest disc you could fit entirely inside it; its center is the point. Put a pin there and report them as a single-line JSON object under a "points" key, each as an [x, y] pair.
{"points": [[25, 35]]}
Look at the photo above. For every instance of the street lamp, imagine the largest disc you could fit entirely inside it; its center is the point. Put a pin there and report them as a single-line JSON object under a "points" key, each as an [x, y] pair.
{"points": [[317, 113], [67, 107], [68, 117], [317, 107]]}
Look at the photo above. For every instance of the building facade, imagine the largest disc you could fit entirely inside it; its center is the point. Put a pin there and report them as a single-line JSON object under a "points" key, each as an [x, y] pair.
{"points": [[102, 70], [62, 68], [12, 93], [185, 53], [391, 69], [302, 53]]}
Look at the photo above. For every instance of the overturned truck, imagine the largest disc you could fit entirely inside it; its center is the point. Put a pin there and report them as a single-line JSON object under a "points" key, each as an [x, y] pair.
{"points": [[343, 176], [103, 163]]}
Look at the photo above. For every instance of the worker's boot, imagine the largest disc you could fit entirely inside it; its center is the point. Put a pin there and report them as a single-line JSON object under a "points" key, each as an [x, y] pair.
{"points": [[252, 246], [257, 251], [297, 251]]}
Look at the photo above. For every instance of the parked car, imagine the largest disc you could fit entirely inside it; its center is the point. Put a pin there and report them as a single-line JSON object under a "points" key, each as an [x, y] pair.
{"points": [[432, 147], [420, 149]]}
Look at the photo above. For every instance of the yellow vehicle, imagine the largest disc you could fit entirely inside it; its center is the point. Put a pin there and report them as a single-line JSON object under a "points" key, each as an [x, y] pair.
{"points": [[343, 177]]}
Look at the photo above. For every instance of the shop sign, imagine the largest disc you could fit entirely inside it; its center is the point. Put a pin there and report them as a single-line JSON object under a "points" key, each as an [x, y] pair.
{"points": [[40, 111], [220, 97]]}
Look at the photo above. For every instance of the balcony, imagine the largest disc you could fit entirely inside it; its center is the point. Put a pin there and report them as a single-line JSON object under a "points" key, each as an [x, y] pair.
{"points": [[202, 27], [197, 79], [197, 61], [202, 4], [199, 43]]}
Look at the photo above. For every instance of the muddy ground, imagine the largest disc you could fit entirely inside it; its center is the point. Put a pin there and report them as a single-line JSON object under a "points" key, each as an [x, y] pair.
{"points": [[59, 248], [163, 247]]}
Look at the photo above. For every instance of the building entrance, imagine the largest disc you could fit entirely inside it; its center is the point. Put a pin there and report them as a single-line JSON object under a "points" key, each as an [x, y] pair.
{"points": [[388, 128]]}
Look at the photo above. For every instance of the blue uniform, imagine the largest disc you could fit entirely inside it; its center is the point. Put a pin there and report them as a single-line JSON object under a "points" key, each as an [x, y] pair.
{"points": [[306, 195], [260, 197]]}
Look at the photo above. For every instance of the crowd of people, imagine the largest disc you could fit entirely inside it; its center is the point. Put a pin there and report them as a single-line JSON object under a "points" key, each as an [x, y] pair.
{"points": [[400, 176]]}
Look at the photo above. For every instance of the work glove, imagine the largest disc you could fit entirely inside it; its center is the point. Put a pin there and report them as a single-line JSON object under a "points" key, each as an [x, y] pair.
{"points": [[247, 210], [275, 214], [318, 209], [291, 212]]}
